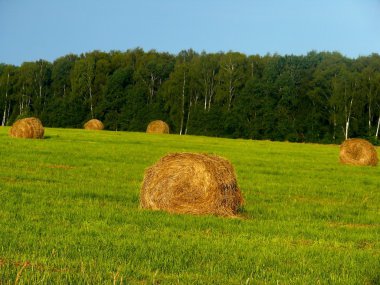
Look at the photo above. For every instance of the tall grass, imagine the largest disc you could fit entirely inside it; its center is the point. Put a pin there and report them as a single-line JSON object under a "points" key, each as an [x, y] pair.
{"points": [[69, 214]]}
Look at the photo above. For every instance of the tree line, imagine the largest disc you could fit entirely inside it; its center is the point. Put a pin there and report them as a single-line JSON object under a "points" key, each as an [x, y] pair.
{"points": [[320, 97]]}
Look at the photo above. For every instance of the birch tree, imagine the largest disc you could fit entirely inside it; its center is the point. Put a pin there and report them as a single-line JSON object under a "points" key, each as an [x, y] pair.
{"points": [[153, 69], [377, 103], [42, 78], [195, 87], [231, 76], [368, 93], [346, 97], [177, 91], [27, 87], [369, 71], [206, 68], [82, 79], [89, 78], [6, 101]]}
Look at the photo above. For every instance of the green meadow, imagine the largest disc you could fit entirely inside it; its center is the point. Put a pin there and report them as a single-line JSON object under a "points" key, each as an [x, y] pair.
{"points": [[69, 214]]}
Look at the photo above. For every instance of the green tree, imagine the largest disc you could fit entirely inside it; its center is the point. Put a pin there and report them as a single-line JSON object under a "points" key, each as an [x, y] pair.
{"points": [[255, 110], [205, 69], [115, 97]]}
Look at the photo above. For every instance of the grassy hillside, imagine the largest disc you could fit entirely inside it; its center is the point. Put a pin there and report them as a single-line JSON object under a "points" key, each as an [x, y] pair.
{"points": [[69, 214]]}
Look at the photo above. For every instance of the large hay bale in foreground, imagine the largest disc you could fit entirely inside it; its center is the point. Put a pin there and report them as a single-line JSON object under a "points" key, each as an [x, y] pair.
{"points": [[94, 124], [191, 183], [30, 128], [157, 127], [358, 152]]}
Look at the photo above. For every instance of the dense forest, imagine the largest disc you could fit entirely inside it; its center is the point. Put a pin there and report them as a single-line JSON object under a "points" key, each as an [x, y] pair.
{"points": [[319, 97]]}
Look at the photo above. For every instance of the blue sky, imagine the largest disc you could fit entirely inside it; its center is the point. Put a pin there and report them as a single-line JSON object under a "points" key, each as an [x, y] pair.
{"points": [[47, 29]]}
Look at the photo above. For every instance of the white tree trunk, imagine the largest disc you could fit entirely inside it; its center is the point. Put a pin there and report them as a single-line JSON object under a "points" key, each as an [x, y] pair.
{"points": [[89, 76], [41, 78], [188, 116], [347, 126], [369, 119], [209, 103], [3, 122], [230, 67], [206, 93], [196, 100], [378, 126], [348, 119], [91, 104], [21, 102], [369, 106], [230, 94], [212, 89], [183, 103], [153, 79]]}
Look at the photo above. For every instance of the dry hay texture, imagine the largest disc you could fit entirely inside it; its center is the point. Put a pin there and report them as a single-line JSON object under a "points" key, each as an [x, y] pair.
{"points": [[157, 127], [192, 183], [358, 152], [30, 128], [94, 124]]}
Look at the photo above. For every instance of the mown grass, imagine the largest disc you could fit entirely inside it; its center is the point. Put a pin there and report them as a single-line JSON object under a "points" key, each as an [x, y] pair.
{"points": [[69, 214]]}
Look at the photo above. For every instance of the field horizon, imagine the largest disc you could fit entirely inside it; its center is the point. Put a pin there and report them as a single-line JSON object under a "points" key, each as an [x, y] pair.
{"points": [[70, 214]]}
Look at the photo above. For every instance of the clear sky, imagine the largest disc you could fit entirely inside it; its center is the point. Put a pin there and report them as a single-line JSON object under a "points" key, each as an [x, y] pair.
{"points": [[35, 29]]}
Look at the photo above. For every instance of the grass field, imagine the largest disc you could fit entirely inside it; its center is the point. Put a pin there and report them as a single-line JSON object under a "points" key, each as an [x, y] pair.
{"points": [[69, 214]]}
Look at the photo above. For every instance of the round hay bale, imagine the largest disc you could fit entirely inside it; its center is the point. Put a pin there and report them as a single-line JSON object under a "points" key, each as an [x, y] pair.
{"points": [[191, 183], [358, 152], [157, 127], [94, 124], [29, 128]]}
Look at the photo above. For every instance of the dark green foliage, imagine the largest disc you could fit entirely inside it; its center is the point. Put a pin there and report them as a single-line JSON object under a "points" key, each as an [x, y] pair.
{"points": [[321, 97]]}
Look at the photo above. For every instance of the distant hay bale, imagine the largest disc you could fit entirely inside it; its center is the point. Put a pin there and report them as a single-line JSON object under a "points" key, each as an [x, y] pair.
{"points": [[191, 183], [358, 152], [30, 128], [94, 124], [157, 127]]}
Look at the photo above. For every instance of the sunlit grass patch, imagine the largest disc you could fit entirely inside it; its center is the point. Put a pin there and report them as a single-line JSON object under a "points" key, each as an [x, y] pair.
{"points": [[69, 210]]}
